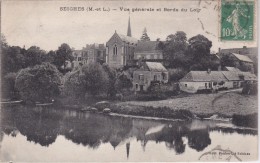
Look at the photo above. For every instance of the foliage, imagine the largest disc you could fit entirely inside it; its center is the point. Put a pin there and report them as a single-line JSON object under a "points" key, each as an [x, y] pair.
{"points": [[123, 82], [63, 54], [39, 83], [111, 89], [96, 78], [199, 47], [8, 86], [74, 85], [176, 74], [33, 56], [174, 50]]}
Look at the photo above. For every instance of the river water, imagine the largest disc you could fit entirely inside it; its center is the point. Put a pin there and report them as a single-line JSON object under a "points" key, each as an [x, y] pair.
{"points": [[31, 135]]}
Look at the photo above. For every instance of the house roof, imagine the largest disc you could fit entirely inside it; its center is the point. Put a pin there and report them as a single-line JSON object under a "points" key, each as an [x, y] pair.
{"points": [[242, 57], [155, 66], [248, 76], [204, 76], [143, 46], [231, 75], [232, 69], [125, 38]]}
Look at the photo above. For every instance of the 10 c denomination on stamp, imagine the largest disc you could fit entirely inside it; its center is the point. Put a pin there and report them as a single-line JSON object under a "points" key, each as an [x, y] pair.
{"points": [[237, 20]]}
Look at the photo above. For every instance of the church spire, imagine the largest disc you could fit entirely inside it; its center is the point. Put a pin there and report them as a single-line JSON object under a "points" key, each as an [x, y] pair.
{"points": [[129, 28]]}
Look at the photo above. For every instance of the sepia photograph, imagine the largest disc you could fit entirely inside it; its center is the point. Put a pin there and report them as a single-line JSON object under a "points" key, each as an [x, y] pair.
{"points": [[129, 81]]}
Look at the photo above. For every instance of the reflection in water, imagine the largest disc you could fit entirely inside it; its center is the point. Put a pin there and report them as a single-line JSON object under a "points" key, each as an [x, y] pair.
{"points": [[93, 130]]}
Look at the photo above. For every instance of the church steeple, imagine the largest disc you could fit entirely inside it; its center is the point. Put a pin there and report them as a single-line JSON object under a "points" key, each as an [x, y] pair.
{"points": [[129, 28]]}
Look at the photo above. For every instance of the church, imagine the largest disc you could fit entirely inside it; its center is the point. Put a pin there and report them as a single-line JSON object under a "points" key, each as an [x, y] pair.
{"points": [[125, 50], [120, 49]]}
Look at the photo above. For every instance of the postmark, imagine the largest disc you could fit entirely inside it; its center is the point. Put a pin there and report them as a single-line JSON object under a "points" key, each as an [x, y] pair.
{"points": [[219, 154], [237, 20]]}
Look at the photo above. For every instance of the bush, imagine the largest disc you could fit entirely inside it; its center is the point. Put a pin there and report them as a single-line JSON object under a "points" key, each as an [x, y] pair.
{"points": [[73, 85], [96, 79], [8, 86], [39, 83], [250, 89]]}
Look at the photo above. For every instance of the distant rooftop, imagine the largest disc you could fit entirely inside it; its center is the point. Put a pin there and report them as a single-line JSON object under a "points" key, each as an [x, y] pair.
{"points": [[147, 46], [155, 66], [242, 57]]}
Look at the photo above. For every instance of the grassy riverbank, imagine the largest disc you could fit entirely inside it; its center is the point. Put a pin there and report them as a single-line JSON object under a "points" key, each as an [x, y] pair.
{"points": [[242, 109], [225, 104]]}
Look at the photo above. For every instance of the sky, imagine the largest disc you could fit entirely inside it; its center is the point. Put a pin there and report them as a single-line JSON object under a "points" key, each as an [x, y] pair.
{"points": [[43, 24]]}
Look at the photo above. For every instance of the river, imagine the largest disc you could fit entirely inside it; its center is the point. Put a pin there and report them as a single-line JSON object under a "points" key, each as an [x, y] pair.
{"points": [[32, 135]]}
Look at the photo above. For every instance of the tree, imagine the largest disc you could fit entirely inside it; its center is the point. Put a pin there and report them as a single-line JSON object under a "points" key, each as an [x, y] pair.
{"points": [[123, 82], [34, 56], [8, 86], [111, 89], [174, 50], [38, 83], [12, 59], [63, 54], [199, 47], [75, 84], [96, 78], [145, 37]]}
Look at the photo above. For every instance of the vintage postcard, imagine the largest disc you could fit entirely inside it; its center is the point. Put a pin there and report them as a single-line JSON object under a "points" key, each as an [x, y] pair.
{"points": [[129, 81]]}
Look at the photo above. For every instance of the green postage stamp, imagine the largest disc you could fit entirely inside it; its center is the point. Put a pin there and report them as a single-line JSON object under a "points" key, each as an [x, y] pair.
{"points": [[237, 20]]}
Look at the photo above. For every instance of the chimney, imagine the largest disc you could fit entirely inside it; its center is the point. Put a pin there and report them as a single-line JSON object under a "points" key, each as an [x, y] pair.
{"points": [[209, 71]]}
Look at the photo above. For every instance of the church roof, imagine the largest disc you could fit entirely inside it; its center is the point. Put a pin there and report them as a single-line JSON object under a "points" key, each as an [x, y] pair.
{"points": [[143, 46], [125, 38], [242, 57]]}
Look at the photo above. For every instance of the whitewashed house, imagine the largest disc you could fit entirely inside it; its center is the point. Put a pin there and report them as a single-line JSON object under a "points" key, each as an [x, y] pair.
{"points": [[210, 80]]}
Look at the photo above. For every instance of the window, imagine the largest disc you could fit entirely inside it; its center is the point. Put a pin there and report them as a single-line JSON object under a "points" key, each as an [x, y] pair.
{"points": [[141, 77], [164, 75], [115, 50], [136, 86], [206, 85], [79, 59], [210, 86], [186, 85], [155, 77]]}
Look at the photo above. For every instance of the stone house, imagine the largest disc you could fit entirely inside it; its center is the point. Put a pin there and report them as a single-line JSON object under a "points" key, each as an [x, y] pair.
{"points": [[149, 72], [92, 53]]}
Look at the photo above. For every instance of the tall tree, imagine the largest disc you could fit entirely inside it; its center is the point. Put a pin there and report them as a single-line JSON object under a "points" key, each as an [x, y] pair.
{"points": [[39, 83], [33, 56], [174, 50], [199, 47], [63, 54]]}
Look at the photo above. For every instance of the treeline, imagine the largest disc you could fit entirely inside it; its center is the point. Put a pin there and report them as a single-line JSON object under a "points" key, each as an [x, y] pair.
{"points": [[35, 75], [182, 55]]}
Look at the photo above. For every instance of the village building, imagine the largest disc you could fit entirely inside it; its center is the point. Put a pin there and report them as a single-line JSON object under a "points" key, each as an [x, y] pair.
{"points": [[148, 51], [92, 53], [196, 81], [95, 53], [245, 57], [120, 49], [149, 72]]}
